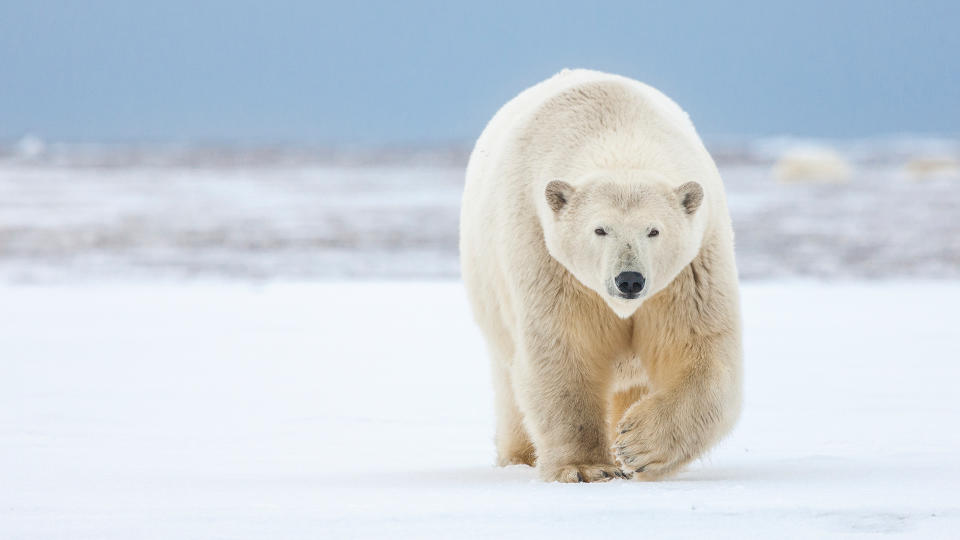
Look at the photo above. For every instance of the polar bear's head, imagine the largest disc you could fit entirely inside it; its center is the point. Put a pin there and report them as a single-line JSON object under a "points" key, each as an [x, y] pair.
{"points": [[626, 235]]}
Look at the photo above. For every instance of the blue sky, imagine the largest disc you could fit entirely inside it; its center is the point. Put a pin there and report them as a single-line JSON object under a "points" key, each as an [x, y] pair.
{"points": [[433, 72]]}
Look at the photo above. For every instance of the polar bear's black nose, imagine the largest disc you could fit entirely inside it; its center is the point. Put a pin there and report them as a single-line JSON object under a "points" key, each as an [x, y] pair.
{"points": [[629, 282]]}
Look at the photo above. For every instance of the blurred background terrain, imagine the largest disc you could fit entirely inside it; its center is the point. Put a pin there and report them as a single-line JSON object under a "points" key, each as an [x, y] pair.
{"points": [[92, 213]]}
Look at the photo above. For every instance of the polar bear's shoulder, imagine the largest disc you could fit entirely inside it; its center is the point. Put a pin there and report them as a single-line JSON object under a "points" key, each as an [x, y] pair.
{"points": [[638, 93], [565, 113], [568, 87]]}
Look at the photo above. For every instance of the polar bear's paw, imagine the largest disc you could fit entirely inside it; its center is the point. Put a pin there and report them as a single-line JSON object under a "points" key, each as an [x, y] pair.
{"points": [[583, 473], [647, 444]]}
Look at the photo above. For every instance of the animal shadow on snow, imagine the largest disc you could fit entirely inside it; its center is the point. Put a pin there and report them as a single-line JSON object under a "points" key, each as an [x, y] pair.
{"points": [[799, 470]]}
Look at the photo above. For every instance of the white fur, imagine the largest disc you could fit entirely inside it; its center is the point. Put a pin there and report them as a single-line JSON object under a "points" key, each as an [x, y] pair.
{"points": [[569, 353]]}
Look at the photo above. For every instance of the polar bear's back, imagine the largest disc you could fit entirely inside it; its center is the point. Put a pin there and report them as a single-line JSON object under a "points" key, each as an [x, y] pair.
{"points": [[600, 119], [510, 117], [576, 121], [514, 116]]}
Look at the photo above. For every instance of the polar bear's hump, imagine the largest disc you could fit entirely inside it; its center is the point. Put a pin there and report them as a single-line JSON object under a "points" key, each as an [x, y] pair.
{"points": [[576, 112]]}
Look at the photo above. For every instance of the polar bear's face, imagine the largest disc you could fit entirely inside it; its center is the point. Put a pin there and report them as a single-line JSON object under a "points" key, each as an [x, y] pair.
{"points": [[622, 236]]}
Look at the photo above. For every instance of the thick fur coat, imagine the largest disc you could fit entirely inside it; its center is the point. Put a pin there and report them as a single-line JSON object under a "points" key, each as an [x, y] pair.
{"points": [[577, 182]]}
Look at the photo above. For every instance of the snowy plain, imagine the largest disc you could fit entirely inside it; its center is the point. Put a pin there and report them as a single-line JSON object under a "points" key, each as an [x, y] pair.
{"points": [[363, 410]]}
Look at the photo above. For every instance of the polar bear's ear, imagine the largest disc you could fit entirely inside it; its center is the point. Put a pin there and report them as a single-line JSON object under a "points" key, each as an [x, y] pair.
{"points": [[690, 195], [558, 194]]}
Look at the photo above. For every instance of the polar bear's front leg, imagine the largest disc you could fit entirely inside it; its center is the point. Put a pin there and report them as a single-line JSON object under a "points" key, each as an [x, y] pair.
{"points": [[563, 402], [680, 420], [513, 444]]}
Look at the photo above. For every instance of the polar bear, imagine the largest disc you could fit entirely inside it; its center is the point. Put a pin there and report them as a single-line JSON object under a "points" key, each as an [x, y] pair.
{"points": [[597, 252]]}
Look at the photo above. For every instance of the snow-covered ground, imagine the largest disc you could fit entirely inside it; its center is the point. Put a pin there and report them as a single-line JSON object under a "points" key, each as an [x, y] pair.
{"points": [[341, 410]]}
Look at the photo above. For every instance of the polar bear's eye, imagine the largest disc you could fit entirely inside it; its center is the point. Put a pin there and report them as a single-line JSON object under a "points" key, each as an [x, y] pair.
{"points": [[652, 233], [600, 231]]}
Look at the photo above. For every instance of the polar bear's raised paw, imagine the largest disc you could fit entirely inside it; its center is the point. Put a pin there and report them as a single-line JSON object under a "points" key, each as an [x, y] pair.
{"points": [[648, 441]]}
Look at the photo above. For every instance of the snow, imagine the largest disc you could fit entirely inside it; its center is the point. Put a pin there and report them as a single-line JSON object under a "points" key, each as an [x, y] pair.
{"points": [[341, 410]]}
